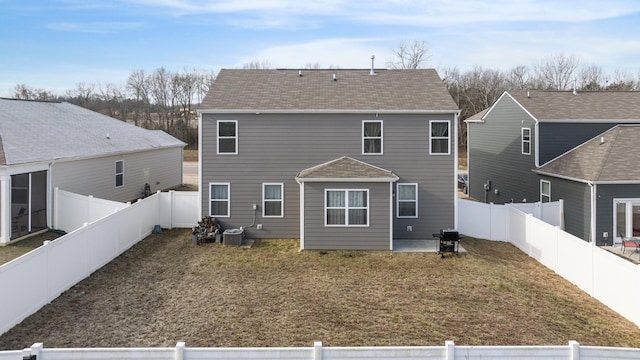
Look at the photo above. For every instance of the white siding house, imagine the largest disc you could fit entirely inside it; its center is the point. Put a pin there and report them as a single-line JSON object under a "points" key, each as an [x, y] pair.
{"points": [[44, 145]]}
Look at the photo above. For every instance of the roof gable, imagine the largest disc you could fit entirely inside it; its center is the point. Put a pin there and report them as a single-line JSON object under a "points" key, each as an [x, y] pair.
{"points": [[316, 90], [610, 157], [346, 169], [35, 131]]}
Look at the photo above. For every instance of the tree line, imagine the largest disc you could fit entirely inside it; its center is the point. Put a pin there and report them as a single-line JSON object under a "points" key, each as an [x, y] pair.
{"points": [[166, 100]]}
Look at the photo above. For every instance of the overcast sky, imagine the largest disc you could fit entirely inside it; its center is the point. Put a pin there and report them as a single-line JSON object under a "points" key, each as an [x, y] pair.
{"points": [[54, 44]]}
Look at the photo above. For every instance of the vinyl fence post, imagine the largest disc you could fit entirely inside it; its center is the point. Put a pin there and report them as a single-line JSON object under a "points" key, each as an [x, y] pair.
{"points": [[179, 353], [317, 350], [574, 350], [33, 352], [450, 350]]}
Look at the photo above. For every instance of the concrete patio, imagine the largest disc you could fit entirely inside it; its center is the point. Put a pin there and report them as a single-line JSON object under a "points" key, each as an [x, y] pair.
{"points": [[426, 246], [630, 254]]}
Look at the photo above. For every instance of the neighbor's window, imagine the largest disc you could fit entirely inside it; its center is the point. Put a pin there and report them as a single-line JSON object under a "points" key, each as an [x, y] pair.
{"points": [[227, 137], [119, 173], [545, 191], [346, 207], [219, 203], [272, 200], [407, 201], [371, 137], [439, 137], [526, 141]]}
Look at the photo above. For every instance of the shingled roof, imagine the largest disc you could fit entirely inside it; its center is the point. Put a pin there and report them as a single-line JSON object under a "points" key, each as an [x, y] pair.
{"points": [[548, 106], [34, 131], [346, 169], [315, 90], [610, 157]]}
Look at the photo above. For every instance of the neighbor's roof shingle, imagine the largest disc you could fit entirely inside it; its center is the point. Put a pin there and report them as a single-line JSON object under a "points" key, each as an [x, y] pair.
{"points": [[33, 131], [346, 168], [417, 90], [594, 105], [613, 159]]}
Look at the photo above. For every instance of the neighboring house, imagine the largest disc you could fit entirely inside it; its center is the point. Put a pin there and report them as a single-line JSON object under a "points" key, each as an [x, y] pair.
{"points": [[549, 145], [45, 145], [341, 159]]}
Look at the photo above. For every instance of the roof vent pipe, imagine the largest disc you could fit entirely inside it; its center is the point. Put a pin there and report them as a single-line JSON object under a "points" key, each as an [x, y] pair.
{"points": [[575, 91], [299, 72], [334, 77], [601, 140], [528, 94], [372, 72]]}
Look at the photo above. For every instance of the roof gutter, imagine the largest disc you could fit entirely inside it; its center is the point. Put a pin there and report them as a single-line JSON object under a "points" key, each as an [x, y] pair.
{"points": [[325, 111]]}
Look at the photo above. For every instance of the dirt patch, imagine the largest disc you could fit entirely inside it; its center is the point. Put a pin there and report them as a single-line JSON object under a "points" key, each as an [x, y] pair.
{"points": [[167, 289]]}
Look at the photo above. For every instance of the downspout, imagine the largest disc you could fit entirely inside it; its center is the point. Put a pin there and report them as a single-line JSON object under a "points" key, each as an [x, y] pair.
{"points": [[455, 175], [301, 213], [537, 144], [200, 180], [593, 191], [50, 194]]}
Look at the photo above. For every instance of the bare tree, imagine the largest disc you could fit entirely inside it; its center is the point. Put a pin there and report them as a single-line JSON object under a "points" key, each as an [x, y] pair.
{"points": [[257, 65], [518, 78], [410, 56], [591, 78], [555, 72], [139, 86], [622, 81], [26, 92]]}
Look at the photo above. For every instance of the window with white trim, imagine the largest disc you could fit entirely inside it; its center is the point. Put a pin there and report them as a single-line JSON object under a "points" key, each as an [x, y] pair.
{"points": [[526, 141], [273, 200], [371, 137], [545, 191], [227, 137], [439, 136], [119, 173], [219, 199], [346, 207], [407, 201]]}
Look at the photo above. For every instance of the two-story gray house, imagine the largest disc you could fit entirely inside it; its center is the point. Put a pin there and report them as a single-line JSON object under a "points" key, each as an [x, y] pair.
{"points": [[549, 145], [340, 159]]}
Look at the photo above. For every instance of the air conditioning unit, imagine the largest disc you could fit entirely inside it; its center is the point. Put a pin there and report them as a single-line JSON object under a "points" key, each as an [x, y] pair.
{"points": [[232, 237]]}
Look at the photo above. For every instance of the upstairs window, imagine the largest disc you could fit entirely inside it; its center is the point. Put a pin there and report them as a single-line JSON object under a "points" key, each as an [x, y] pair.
{"points": [[346, 207], [119, 173], [526, 141], [371, 137], [407, 198], [439, 137], [272, 200], [545, 191], [227, 137]]}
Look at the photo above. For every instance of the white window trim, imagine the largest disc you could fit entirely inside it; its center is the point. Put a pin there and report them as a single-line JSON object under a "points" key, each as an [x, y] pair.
{"points": [[119, 173], [448, 137], [523, 141], [398, 201], [218, 137], [542, 195], [228, 199], [281, 201], [346, 208], [372, 137]]}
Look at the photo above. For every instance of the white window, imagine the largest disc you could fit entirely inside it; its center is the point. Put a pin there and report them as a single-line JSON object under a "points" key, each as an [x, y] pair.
{"points": [[626, 219], [219, 202], [407, 201], [545, 191], [526, 141], [272, 200], [439, 137], [119, 173], [346, 207], [227, 137], [371, 137]]}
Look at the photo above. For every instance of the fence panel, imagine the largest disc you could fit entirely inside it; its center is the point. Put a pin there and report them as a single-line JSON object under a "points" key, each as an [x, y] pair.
{"points": [[72, 211]]}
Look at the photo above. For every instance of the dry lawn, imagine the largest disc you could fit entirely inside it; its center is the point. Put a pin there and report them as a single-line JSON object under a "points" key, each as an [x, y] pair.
{"points": [[166, 289]]}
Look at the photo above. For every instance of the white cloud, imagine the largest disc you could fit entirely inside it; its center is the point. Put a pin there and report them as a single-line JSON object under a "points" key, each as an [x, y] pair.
{"points": [[94, 27]]}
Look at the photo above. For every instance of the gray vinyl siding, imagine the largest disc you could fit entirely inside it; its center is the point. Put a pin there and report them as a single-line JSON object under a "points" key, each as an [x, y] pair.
{"points": [[605, 209], [577, 205], [372, 237], [161, 169], [558, 138], [275, 147], [495, 154]]}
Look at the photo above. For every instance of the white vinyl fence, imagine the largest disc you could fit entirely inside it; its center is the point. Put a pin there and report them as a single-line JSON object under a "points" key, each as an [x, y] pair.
{"points": [[572, 351], [612, 280], [105, 230]]}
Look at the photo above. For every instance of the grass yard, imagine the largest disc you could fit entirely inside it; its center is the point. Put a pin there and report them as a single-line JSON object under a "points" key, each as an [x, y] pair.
{"points": [[166, 289]]}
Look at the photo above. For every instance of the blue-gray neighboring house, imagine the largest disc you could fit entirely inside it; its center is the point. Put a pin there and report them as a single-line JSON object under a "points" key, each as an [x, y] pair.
{"points": [[340, 159], [548, 145]]}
